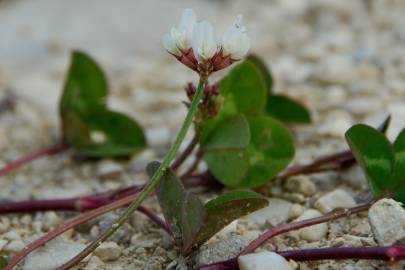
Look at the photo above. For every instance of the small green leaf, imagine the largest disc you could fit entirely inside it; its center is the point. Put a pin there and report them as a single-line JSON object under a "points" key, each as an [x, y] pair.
{"points": [[271, 149], [243, 91], [117, 143], [226, 208], [261, 65], [194, 216], [374, 154], [85, 86], [225, 150], [87, 124], [171, 196], [3, 261], [287, 110], [399, 169]]}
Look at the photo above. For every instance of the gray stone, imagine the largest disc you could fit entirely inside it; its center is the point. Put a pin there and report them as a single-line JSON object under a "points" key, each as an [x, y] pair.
{"points": [[52, 255], [262, 261], [108, 251], [275, 214], [315, 232], [387, 222], [335, 200], [219, 251], [301, 184]]}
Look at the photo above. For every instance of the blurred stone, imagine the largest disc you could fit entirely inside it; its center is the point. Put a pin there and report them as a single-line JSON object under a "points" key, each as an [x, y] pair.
{"points": [[301, 184], [275, 214], [108, 251], [262, 261], [335, 200], [315, 232]]}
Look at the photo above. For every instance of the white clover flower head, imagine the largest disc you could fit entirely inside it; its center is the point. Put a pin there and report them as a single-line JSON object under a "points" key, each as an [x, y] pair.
{"points": [[235, 42], [204, 41], [196, 45]]}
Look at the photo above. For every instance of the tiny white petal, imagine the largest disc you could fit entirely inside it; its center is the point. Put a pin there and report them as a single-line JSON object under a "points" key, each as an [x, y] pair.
{"points": [[204, 42], [235, 41], [170, 45]]}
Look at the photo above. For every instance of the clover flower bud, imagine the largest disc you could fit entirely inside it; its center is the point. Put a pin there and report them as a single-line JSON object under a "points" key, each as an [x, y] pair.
{"points": [[195, 44]]}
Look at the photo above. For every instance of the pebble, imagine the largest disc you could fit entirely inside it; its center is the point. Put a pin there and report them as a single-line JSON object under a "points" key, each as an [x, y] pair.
{"points": [[108, 169], [3, 243], [387, 222], [158, 136], [296, 210], [335, 124], [52, 255], [230, 228], [108, 251], [354, 176], [275, 214], [334, 200], [95, 264], [312, 233], [262, 261], [14, 246], [301, 184], [220, 250]]}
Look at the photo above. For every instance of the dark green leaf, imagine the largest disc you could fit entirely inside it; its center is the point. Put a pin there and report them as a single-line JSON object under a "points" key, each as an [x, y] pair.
{"points": [[85, 86], [225, 150], [261, 65], [375, 155], [194, 216], [271, 149], [384, 125], [87, 124], [287, 110], [243, 91], [123, 136], [171, 196], [3, 261], [399, 170], [226, 208]]}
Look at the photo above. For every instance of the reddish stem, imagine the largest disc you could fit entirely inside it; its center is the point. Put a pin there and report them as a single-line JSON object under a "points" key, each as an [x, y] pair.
{"points": [[79, 220], [392, 253], [331, 162], [32, 156], [228, 264]]}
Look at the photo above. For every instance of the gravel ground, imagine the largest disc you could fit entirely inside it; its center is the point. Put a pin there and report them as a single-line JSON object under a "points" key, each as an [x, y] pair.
{"points": [[344, 59]]}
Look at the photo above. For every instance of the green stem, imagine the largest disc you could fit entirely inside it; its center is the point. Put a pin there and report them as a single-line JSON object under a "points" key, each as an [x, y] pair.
{"points": [[149, 187]]}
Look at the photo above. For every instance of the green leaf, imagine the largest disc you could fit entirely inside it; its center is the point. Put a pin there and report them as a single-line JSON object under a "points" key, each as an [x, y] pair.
{"points": [[87, 124], [3, 261], [264, 70], [287, 110], [194, 216], [85, 86], [243, 91], [226, 208], [374, 154], [271, 149], [117, 143], [399, 169], [225, 150]]}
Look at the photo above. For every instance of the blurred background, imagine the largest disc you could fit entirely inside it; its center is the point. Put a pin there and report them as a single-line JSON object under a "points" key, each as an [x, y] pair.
{"points": [[346, 58]]}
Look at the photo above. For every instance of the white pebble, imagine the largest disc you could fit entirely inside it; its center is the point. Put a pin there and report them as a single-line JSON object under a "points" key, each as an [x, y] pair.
{"points": [[108, 251], [276, 213], [335, 200], [14, 246], [387, 221], [263, 261], [315, 232]]}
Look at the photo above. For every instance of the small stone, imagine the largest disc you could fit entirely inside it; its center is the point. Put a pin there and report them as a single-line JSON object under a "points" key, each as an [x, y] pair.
{"points": [[3, 243], [262, 261], [14, 246], [387, 222], [4, 224], [52, 255], [315, 232], [158, 136], [108, 169], [95, 264], [220, 250], [108, 251], [336, 124], [296, 210], [301, 184], [231, 227], [354, 176], [276, 213], [51, 219], [335, 200], [11, 235]]}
